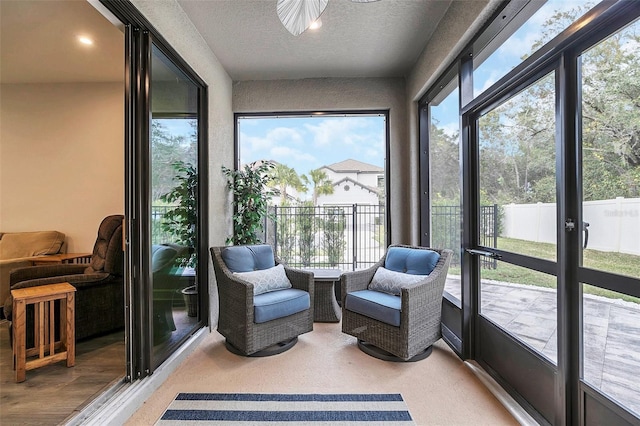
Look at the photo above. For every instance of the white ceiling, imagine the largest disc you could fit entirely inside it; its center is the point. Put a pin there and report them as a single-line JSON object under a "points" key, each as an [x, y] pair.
{"points": [[38, 43], [380, 39]]}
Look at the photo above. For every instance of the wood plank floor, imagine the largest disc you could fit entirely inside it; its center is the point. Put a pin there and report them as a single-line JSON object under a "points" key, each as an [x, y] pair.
{"points": [[53, 393]]}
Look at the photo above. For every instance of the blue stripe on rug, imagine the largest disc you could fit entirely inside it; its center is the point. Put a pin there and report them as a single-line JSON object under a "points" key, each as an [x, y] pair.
{"points": [[258, 408], [288, 416], [287, 397]]}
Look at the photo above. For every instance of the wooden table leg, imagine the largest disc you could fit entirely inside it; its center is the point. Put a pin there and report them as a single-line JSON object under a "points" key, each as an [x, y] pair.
{"points": [[20, 339], [69, 325]]}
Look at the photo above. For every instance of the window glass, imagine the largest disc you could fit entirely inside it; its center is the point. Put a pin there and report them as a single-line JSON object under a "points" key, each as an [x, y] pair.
{"points": [[518, 173], [444, 167], [328, 183], [514, 45], [523, 302], [174, 204], [610, 341], [611, 154]]}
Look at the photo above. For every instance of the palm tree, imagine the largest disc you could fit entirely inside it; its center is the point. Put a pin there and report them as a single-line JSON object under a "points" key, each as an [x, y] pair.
{"points": [[322, 185], [283, 176]]}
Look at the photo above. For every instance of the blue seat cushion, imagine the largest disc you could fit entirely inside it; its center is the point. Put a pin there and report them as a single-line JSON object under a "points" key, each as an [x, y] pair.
{"points": [[248, 258], [380, 306], [411, 261], [279, 303]]}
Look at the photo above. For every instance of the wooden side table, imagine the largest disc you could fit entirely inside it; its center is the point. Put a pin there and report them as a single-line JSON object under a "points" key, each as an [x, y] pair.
{"points": [[43, 298], [325, 305]]}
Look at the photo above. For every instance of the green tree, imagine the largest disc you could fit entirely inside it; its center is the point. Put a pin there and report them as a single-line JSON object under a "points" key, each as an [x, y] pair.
{"points": [[285, 232], [333, 227], [305, 227], [281, 177], [320, 182], [166, 149], [445, 164]]}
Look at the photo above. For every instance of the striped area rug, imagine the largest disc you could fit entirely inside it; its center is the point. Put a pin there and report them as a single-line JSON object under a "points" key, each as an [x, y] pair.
{"points": [[287, 409]]}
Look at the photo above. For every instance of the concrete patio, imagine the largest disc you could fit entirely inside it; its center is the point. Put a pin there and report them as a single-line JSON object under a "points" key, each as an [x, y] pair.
{"points": [[611, 332]]}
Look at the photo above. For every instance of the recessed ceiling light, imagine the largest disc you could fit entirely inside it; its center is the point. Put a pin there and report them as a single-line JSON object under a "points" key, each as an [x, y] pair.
{"points": [[85, 40], [316, 24]]}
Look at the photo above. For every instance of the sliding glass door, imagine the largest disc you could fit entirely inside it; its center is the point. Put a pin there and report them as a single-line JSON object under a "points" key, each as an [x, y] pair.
{"points": [[550, 195], [166, 200], [174, 217]]}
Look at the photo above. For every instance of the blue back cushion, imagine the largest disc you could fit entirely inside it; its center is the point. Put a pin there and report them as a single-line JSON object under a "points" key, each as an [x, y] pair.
{"points": [[411, 261], [162, 257], [248, 258]]}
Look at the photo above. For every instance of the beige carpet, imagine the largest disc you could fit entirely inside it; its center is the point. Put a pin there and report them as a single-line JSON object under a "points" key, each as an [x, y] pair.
{"points": [[439, 390]]}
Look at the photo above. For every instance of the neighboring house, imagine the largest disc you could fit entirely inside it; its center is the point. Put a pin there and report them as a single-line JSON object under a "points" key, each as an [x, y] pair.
{"points": [[349, 191], [355, 182]]}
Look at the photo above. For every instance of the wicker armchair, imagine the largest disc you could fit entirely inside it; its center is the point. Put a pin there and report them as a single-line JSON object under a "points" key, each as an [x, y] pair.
{"points": [[409, 323], [240, 320]]}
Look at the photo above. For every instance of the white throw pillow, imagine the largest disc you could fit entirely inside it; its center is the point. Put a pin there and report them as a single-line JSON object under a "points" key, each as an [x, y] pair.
{"points": [[388, 281], [265, 280]]}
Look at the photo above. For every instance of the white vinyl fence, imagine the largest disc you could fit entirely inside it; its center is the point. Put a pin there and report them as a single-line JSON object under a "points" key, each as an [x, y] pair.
{"points": [[614, 225]]}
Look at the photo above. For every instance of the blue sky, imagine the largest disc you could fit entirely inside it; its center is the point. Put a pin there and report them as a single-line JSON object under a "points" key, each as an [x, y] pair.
{"points": [[307, 143], [504, 59]]}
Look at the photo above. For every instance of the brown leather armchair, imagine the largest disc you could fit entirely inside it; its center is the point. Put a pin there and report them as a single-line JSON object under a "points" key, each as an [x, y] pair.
{"points": [[99, 304]]}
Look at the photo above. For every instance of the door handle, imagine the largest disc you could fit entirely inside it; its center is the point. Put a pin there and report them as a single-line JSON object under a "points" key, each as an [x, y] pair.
{"points": [[585, 228], [485, 253]]}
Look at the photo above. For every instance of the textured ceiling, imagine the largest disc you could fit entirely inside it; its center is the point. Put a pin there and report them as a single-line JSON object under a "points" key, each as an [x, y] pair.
{"points": [[379, 39]]}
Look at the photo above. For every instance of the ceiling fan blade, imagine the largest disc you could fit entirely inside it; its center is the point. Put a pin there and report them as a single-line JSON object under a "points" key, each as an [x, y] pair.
{"points": [[297, 15]]}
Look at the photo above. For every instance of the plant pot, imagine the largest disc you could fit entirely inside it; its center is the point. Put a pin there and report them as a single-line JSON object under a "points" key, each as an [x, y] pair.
{"points": [[190, 295]]}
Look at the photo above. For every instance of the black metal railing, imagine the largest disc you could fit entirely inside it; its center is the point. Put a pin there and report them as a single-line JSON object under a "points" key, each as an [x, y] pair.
{"points": [[345, 237], [446, 227], [158, 234], [349, 237]]}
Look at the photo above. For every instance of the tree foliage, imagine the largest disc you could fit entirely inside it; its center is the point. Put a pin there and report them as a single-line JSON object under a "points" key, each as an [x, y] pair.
{"points": [[320, 182], [251, 194], [518, 138], [166, 149], [282, 177], [181, 220]]}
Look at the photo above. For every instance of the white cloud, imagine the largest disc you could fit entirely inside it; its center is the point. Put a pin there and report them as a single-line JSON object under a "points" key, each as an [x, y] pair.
{"points": [[451, 129], [284, 153], [347, 130]]}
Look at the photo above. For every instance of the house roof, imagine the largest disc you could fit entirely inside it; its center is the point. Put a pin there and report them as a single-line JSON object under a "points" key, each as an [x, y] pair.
{"points": [[351, 165]]}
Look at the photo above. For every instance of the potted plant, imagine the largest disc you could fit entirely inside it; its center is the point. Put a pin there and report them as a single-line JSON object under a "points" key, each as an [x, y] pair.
{"points": [[181, 221], [250, 200]]}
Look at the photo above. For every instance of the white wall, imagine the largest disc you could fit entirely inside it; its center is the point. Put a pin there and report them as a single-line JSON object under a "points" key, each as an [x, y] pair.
{"points": [[345, 94], [62, 158], [355, 195], [170, 20]]}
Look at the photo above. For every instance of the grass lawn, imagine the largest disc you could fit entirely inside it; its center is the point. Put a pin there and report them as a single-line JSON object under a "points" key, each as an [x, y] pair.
{"points": [[624, 264]]}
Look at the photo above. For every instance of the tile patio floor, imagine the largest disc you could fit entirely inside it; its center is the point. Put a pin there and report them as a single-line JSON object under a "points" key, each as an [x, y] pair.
{"points": [[611, 332]]}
